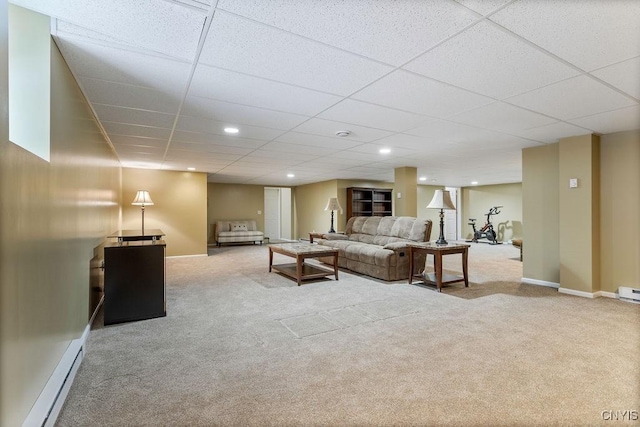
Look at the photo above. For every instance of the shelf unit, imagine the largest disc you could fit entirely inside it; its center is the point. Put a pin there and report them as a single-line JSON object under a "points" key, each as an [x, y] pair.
{"points": [[369, 201]]}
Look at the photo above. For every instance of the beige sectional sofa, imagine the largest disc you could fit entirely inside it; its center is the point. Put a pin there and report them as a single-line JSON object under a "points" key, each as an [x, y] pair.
{"points": [[237, 232], [377, 246]]}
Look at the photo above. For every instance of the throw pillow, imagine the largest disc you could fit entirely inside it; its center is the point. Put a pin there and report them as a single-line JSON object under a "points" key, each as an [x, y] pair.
{"points": [[239, 227]]}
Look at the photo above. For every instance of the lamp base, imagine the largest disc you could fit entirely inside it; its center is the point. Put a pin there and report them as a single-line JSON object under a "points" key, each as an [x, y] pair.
{"points": [[441, 240]]}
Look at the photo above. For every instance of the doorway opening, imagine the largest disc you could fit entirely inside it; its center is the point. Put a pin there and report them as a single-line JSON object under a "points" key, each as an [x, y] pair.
{"points": [[277, 213]]}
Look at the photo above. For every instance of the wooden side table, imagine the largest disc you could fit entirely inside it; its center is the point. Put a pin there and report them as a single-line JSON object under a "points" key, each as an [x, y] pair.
{"points": [[315, 235], [438, 278]]}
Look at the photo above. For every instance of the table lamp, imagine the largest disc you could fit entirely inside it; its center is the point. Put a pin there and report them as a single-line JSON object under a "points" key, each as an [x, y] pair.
{"points": [[441, 200], [333, 205], [142, 199]]}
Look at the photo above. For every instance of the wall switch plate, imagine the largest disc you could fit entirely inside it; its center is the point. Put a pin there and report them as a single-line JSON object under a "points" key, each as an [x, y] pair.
{"points": [[573, 183], [259, 212], [399, 195]]}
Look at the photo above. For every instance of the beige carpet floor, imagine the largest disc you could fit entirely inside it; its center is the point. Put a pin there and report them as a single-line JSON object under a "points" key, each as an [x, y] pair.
{"points": [[244, 347]]}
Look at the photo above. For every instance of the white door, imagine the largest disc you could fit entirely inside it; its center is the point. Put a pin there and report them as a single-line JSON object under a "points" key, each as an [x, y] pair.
{"points": [[272, 213], [451, 216], [285, 213]]}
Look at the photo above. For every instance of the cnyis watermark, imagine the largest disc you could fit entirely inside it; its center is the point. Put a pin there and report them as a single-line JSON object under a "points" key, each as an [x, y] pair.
{"points": [[618, 415]]}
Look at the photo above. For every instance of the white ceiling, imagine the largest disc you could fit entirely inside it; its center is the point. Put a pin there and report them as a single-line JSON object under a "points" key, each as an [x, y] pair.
{"points": [[454, 88]]}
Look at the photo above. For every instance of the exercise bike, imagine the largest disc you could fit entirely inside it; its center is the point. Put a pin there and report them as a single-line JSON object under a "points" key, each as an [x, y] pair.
{"points": [[487, 231]]}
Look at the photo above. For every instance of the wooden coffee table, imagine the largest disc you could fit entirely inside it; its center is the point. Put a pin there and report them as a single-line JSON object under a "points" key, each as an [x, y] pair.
{"points": [[301, 251], [438, 278]]}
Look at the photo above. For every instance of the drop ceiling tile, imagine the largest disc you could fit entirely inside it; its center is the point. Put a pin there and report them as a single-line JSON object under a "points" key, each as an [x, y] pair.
{"points": [[412, 142], [407, 91], [208, 138], [121, 95], [128, 150], [392, 34], [239, 44], [196, 124], [418, 94], [441, 130], [623, 75], [338, 159], [588, 34], [123, 66], [576, 97], [67, 31], [306, 139], [553, 132], [329, 128], [612, 121], [288, 148], [489, 61], [241, 114], [158, 26], [483, 7], [138, 141], [365, 114], [354, 158], [109, 113], [206, 149], [291, 158], [223, 85], [502, 117], [136, 130], [184, 155]]}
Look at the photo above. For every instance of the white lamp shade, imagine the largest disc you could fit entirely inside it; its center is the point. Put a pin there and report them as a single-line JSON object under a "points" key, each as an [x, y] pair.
{"points": [[441, 200], [142, 199], [333, 205]]}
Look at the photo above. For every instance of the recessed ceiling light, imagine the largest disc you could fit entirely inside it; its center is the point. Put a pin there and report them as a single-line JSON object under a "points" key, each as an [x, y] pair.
{"points": [[434, 180], [385, 150], [423, 178], [231, 130], [191, 169], [290, 175], [474, 182], [343, 133]]}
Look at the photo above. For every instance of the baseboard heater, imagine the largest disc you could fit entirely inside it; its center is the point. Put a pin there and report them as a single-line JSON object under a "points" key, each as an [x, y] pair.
{"points": [[629, 294]]}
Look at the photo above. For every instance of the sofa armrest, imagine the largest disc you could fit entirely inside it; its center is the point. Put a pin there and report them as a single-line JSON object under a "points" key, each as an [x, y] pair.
{"points": [[394, 246], [335, 236]]}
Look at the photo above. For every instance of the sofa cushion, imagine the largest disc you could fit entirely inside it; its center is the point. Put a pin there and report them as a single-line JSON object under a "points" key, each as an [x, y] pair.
{"points": [[408, 228]]}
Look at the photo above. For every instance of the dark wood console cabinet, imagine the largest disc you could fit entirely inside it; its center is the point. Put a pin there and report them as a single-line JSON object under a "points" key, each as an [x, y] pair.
{"points": [[134, 281]]}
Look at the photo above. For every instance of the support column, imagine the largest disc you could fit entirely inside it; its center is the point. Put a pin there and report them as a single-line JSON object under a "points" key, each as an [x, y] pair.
{"points": [[406, 191], [579, 204]]}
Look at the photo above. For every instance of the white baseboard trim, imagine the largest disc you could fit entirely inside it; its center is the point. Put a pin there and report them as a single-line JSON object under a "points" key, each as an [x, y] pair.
{"points": [[607, 294], [539, 283], [48, 405], [187, 256], [584, 294], [577, 293]]}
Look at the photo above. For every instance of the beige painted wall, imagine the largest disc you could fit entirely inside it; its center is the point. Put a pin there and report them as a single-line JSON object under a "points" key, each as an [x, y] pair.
{"points": [[620, 210], [234, 201], [540, 204], [180, 207], [311, 200], [476, 202], [406, 184], [53, 215], [425, 194], [579, 213]]}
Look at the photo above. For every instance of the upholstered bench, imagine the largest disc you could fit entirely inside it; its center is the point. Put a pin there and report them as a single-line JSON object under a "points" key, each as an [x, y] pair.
{"points": [[237, 232]]}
